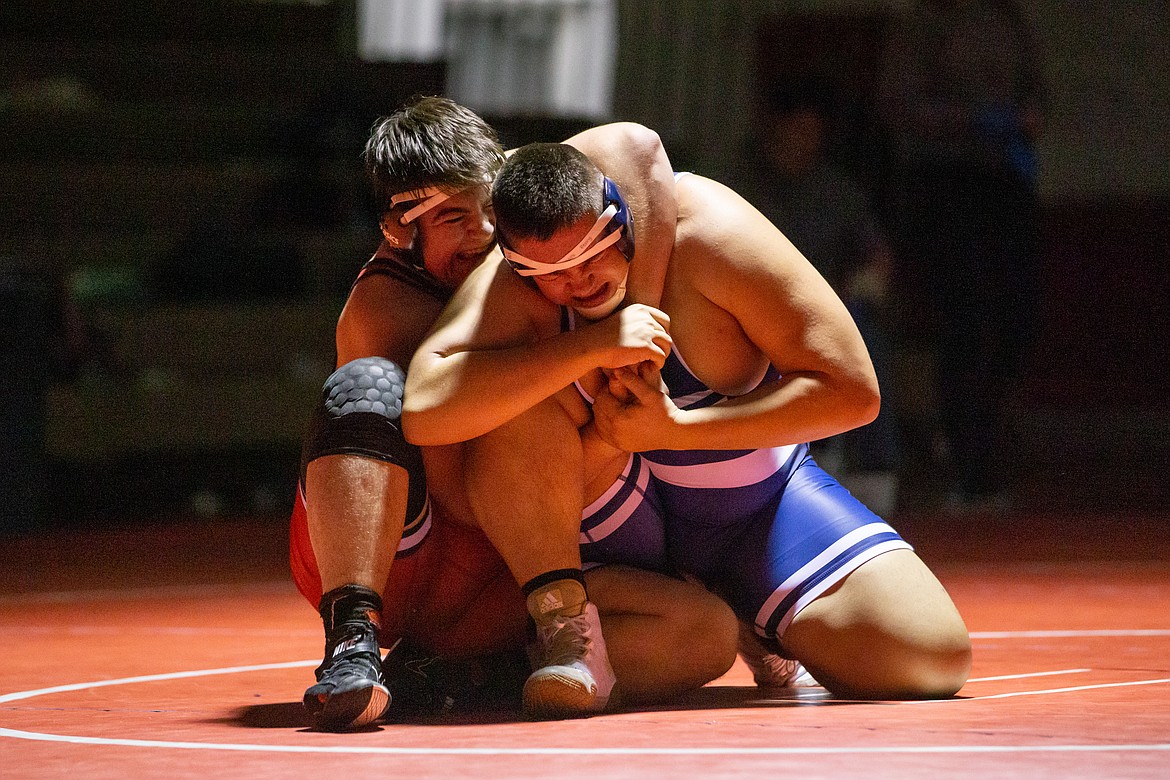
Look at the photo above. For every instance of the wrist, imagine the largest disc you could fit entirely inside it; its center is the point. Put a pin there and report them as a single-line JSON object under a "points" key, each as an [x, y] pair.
{"points": [[682, 432]]}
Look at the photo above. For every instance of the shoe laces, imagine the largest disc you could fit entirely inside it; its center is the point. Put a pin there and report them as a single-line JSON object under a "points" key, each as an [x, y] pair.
{"points": [[775, 670], [768, 668], [564, 640]]}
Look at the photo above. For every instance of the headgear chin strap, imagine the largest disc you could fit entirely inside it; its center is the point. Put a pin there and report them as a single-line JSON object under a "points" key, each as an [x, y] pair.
{"points": [[616, 213], [602, 310]]}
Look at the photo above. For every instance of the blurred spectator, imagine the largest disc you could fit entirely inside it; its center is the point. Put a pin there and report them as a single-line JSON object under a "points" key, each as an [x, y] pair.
{"points": [[789, 176], [962, 98]]}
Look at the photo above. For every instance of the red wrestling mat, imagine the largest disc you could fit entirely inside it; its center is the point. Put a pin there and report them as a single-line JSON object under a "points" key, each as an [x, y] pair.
{"points": [[183, 651]]}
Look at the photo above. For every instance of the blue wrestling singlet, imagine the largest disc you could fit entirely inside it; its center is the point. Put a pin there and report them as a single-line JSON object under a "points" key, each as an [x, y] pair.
{"points": [[625, 524], [766, 529]]}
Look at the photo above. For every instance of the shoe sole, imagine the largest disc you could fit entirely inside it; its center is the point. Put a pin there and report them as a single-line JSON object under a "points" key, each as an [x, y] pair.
{"points": [[349, 710], [555, 697]]}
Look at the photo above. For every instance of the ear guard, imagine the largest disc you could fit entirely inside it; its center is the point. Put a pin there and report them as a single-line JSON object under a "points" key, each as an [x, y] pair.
{"points": [[613, 195], [612, 228], [397, 233]]}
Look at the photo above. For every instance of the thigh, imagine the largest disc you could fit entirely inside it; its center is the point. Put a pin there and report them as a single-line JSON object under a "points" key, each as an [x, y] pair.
{"points": [[663, 635], [892, 595], [794, 548], [888, 630], [625, 590], [624, 525]]}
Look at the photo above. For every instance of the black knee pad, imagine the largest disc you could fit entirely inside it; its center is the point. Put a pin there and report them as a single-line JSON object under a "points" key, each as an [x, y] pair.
{"points": [[358, 415]]}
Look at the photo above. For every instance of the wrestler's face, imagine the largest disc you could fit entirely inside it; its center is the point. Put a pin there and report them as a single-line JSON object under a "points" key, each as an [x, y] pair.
{"points": [[455, 236], [595, 287]]}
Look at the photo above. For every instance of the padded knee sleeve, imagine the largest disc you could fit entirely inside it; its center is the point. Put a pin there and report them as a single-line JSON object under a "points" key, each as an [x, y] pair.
{"points": [[358, 415]]}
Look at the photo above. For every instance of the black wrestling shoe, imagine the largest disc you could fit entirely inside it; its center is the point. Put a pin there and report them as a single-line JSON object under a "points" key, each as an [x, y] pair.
{"points": [[350, 692], [424, 684]]}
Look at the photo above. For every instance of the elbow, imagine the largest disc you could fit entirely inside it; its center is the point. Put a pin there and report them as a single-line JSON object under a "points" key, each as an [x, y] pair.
{"points": [[412, 427], [858, 400], [867, 401], [644, 138], [641, 139], [418, 427], [860, 383]]}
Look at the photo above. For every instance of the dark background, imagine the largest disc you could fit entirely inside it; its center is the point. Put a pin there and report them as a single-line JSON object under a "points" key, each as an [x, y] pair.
{"points": [[183, 209]]}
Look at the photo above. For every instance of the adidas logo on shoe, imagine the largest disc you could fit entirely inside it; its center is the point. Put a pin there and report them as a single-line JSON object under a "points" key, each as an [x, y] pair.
{"points": [[551, 601]]}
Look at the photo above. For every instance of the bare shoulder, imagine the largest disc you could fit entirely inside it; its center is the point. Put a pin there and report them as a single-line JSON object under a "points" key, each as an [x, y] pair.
{"points": [[493, 307], [737, 260], [385, 317], [709, 210], [719, 230]]}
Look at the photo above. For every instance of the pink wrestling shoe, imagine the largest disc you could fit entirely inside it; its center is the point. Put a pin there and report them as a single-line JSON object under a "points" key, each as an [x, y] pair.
{"points": [[573, 678]]}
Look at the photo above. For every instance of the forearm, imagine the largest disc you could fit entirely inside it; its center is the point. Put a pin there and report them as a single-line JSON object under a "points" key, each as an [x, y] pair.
{"points": [[458, 396], [798, 408]]}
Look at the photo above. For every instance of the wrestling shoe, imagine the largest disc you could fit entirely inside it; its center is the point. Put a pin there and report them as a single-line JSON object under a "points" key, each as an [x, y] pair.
{"points": [[350, 692], [573, 678], [424, 684], [769, 668]]}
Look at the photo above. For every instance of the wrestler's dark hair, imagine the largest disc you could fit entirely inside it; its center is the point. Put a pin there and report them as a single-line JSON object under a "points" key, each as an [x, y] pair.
{"points": [[544, 187], [430, 142]]}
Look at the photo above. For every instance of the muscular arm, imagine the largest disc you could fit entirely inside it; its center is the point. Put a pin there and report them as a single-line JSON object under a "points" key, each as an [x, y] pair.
{"points": [[736, 262], [383, 318], [633, 156], [496, 352]]}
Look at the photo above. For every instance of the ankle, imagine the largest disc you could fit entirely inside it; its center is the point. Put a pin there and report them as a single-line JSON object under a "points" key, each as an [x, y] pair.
{"points": [[559, 594], [350, 604]]}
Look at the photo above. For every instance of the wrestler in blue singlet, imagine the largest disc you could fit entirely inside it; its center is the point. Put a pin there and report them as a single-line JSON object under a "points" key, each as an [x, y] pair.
{"points": [[766, 529], [622, 526]]}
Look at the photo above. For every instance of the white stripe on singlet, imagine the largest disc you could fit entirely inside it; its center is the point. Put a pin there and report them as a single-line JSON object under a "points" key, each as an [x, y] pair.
{"points": [[749, 469], [632, 502], [801, 575]]}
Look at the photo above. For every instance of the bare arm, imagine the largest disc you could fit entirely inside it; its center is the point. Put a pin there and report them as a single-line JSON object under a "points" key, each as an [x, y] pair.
{"points": [[497, 351], [633, 156], [737, 262], [384, 318]]}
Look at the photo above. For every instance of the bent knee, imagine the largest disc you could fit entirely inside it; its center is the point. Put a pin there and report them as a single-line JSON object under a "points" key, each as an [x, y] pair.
{"points": [[879, 665], [939, 672], [934, 670], [714, 628], [705, 625]]}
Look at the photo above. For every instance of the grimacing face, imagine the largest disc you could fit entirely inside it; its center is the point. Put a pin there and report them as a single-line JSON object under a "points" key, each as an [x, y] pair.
{"points": [[587, 287], [456, 236]]}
